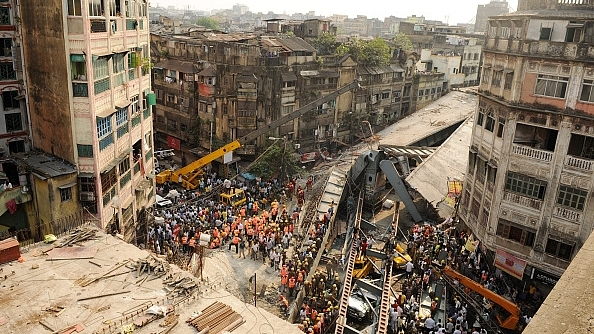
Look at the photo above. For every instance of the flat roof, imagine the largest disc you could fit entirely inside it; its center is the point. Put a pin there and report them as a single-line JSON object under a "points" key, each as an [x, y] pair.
{"points": [[27, 292]]}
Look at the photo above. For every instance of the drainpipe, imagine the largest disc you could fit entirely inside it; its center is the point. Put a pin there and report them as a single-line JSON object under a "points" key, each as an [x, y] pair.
{"points": [[19, 36]]}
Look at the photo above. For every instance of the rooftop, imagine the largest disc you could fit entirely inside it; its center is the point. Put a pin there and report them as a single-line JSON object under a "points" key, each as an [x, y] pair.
{"points": [[49, 289], [46, 166]]}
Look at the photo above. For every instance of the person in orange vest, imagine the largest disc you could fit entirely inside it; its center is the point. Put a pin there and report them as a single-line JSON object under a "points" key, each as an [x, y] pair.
{"points": [[284, 270], [284, 281], [291, 286], [314, 314], [185, 243], [235, 242], [284, 304]]}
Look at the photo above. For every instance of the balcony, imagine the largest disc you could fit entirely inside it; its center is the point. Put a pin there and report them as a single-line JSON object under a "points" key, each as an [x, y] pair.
{"points": [[522, 200], [567, 214], [579, 163], [532, 153], [13, 193]]}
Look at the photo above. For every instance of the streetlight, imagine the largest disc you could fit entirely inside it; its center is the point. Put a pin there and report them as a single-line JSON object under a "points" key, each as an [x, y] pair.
{"points": [[284, 139]]}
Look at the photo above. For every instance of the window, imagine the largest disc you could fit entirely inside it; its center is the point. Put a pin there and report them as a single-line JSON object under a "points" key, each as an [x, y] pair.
{"points": [[4, 16], [183, 127], [385, 96], [581, 146], [421, 92], [85, 151], [100, 68], [103, 126], [486, 76], [525, 185], [500, 127], [66, 194], [480, 116], [134, 108], [572, 197], [550, 85], [124, 166], [78, 67], [492, 31], [5, 47], [119, 61], [9, 100], [121, 116], [517, 32], [508, 230], [509, 78], [545, 33], [288, 109], [490, 124], [491, 173], [587, 94], [559, 249], [396, 94], [86, 184], [16, 146], [171, 125], [14, 122], [96, 8], [7, 71], [74, 8], [505, 32], [497, 78]]}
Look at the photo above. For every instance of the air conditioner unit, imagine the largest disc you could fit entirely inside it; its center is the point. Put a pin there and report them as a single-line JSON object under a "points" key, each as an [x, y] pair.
{"points": [[87, 197], [297, 146]]}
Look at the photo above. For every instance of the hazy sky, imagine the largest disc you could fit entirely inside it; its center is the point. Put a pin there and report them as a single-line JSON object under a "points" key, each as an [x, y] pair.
{"points": [[451, 11]]}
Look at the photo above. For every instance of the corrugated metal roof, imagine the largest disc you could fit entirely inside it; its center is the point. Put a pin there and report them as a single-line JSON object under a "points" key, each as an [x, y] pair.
{"points": [[247, 77], [48, 166], [296, 44], [208, 72], [177, 65]]}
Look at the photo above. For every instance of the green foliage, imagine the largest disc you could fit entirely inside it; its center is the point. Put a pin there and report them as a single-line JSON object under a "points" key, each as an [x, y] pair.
{"points": [[290, 33], [375, 52], [325, 44], [401, 41], [208, 22], [165, 53], [280, 157]]}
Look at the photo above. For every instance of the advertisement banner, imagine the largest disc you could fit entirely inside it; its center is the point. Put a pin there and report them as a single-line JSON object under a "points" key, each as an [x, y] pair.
{"points": [[454, 192], [510, 264], [173, 143]]}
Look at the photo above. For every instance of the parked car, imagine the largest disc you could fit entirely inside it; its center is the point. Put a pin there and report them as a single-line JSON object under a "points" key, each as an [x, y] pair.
{"points": [[358, 308]]}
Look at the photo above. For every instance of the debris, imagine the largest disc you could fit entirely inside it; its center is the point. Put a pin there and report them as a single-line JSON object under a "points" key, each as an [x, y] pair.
{"points": [[35, 266], [21, 259], [77, 235], [180, 285], [104, 295], [157, 310], [85, 282], [70, 329], [104, 308], [95, 263], [46, 325], [127, 329], [56, 309], [170, 319]]}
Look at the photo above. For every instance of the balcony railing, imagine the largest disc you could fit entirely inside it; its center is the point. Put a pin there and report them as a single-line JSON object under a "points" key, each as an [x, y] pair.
{"points": [[125, 179], [98, 26], [567, 214], [522, 200], [579, 163], [101, 85], [80, 89], [532, 153]]}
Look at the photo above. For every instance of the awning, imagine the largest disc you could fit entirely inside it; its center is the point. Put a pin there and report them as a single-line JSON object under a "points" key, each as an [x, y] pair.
{"points": [[117, 160], [107, 54], [122, 104], [105, 113], [66, 186]]}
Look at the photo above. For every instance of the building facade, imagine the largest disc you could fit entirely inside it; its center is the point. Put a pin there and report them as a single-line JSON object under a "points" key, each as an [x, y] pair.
{"points": [[483, 12], [88, 78], [530, 182]]}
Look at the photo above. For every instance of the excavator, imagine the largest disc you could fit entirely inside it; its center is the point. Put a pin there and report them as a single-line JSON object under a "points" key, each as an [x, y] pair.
{"points": [[188, 176], [509, 313]]}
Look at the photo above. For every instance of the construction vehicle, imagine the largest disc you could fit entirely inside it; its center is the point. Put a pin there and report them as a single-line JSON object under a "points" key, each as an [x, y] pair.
{"points": [[188, 176], [509, 313], [235, 197]]}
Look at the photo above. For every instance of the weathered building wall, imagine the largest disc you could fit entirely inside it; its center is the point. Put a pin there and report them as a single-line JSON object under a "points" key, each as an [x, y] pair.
{"points": [[47, 77]]}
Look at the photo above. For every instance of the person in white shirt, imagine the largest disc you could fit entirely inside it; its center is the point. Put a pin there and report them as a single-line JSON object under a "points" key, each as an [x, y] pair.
{"points": [[429, 323]]}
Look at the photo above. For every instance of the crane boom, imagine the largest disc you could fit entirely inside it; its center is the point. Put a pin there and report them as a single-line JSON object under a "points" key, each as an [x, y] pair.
{"points": [[188, 173], [509, 322]]}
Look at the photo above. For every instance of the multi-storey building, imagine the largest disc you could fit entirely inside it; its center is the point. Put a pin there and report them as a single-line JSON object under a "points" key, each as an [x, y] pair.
{"points": [[88, 77], [14, 130], [530, 182], [483, 12]]}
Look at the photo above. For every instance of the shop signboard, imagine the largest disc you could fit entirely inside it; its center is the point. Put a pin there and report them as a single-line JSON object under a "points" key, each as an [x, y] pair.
{"points": [[544, 277], [510, 264]]}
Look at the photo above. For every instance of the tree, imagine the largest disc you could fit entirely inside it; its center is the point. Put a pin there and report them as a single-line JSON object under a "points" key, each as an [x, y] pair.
{"points": [[208, 22], [401, 41], [279, 157], [375, 52], [325, 43]]}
